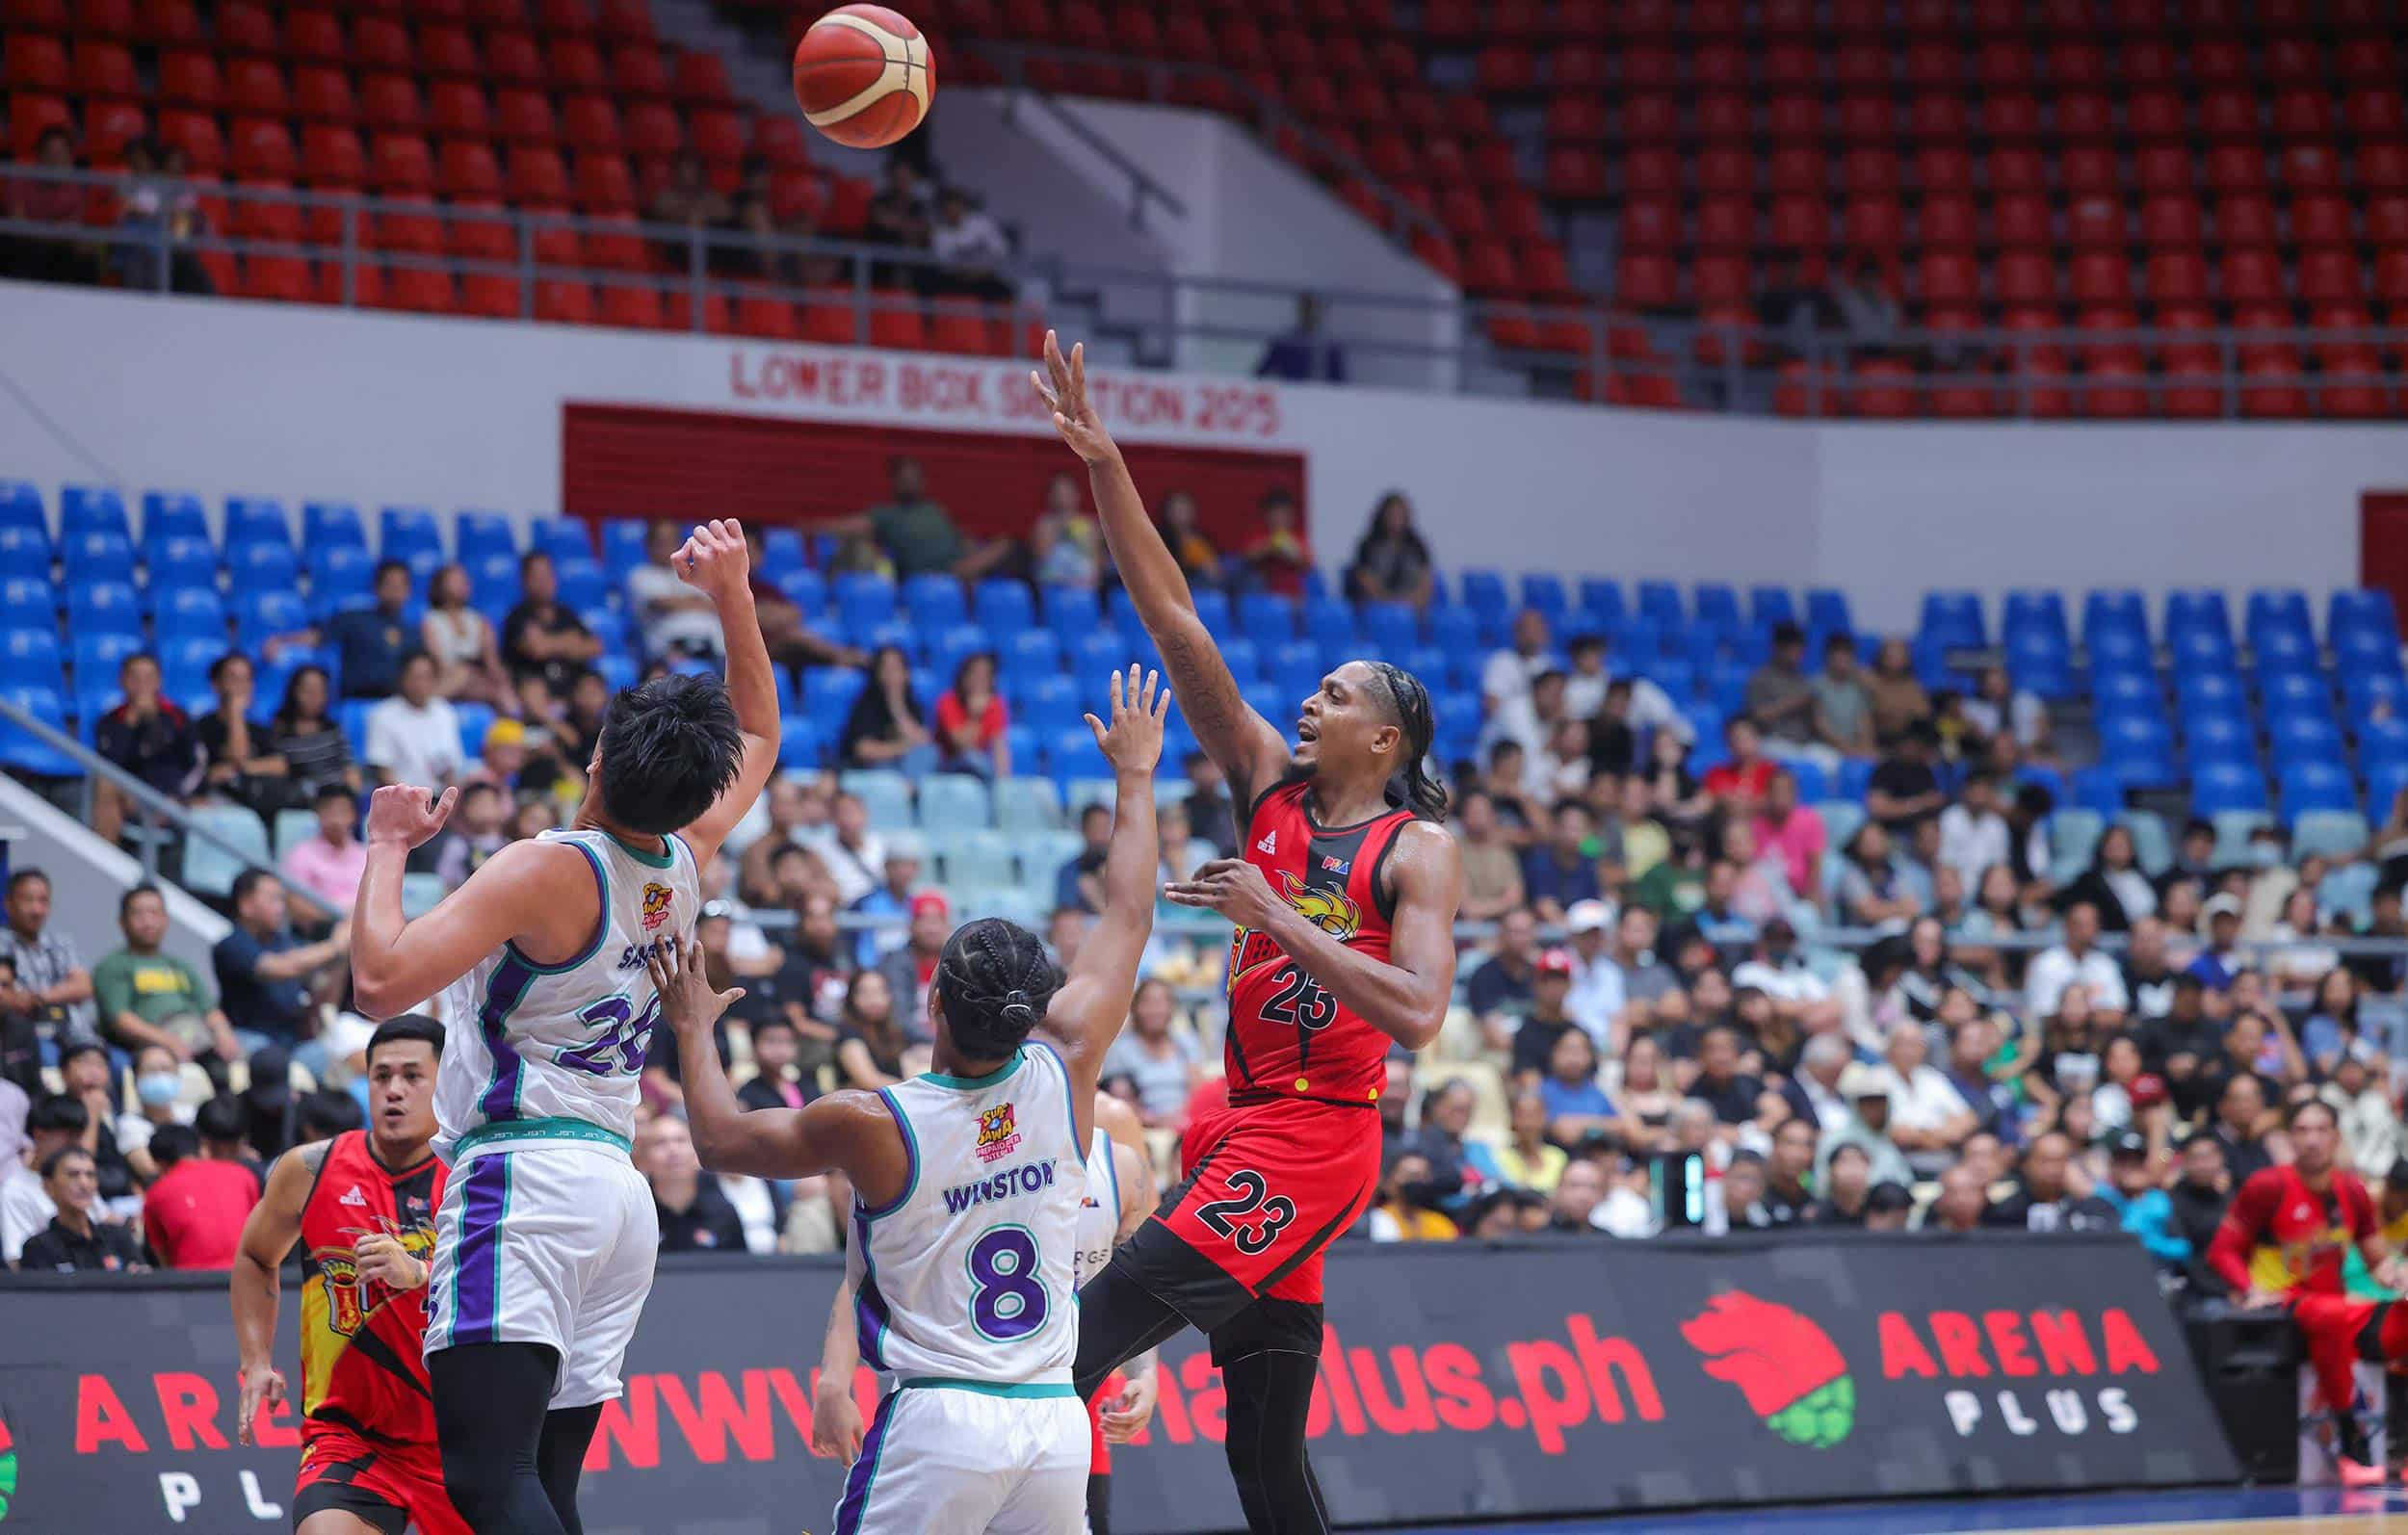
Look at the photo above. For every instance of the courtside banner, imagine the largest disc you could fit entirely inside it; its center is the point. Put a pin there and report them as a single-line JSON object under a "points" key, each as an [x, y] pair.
{"points": [[1458, 1381]]}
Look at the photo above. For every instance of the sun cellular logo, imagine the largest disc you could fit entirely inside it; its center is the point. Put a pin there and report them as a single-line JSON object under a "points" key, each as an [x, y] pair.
{"points": [[1028, 1179]]}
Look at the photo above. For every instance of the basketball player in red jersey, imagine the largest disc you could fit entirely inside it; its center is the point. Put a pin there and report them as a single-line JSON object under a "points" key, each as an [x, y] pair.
{"points": [[2281, 1244], [362, 1206], [1345, 906]]}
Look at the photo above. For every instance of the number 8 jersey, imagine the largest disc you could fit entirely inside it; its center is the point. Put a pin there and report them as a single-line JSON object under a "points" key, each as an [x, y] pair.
{"points": [[536, 1053], [968, 1275]]}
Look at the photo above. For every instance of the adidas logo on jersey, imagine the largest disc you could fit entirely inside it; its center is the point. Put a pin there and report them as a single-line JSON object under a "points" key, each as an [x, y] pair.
{"points": [[355, 1198], [1269, 842]]}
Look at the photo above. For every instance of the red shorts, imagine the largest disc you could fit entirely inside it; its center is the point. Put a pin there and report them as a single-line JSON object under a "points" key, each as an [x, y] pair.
{"points": [[381, 1483], [1272, 1183]]}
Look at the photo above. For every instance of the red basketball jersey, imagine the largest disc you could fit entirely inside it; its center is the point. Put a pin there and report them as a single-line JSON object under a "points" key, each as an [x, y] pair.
{"points": [[361, 1340], [1287, 1035], [2296, 1237]]}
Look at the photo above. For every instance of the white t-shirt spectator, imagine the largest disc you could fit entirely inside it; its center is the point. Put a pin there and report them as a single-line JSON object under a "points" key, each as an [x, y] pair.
{"points": [[1651, 707], [1971, 843], [135, 1130], [24, 1210], [1922, 1100], [413, 745], [2024, 714], [856, 871], [1792, 982], [1508, 674], [652, 594], [977, 240], [1161, 1080], [2056, 968]]}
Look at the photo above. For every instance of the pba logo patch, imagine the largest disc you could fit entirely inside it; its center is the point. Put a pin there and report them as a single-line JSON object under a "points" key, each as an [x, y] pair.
{"points": [[656, 898], [998, 1135]]}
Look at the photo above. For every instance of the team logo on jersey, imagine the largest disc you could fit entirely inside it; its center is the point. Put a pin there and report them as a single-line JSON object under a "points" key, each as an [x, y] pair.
{"points": [[656, 898], [1333, 911], [998, 1134]]}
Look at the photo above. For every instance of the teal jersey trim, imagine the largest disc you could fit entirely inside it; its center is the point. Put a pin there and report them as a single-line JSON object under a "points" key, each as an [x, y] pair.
{"points": [[660, 859], [984, 1388], [601, 922], [911, 1150], [561, 1128], [972, 1084], [1069, 1098]]}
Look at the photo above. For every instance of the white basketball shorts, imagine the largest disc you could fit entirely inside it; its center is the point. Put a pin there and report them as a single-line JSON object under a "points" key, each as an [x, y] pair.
{"points": [[959, 1458]]}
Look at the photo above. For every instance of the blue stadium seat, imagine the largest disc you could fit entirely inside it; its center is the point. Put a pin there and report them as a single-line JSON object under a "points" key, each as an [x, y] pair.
{"points": [[2328, 833], [1601, 601], [1268, 617], [2368, 610], [2115, 608], [1093, 657], [1456, 718], [2126, 691], [474, 721], [33, 657], [1673, 674], [228, 839], [617, 668], [806, 589], [2152, 844], [1425, 662], [1452, 630], [2348, 893], [173, 514], [2385, 782], [1328, 622], [1212, 611], [1004, 607], [2199, 648], [2284, 650], [1952, 620], [1244, 658], [955, 644], [2356, 650], [2277, 607], [934, 601], [781, 552], [2035, 612], [97, 555], [337, 573], [1767, 606], [2227, 786], [2316, 785], [24, 549], [2295, 693], [482, 534], [1121, 609], [607, 624], [96, 655], [2133, 732], [1069, 611], [187, 655], [114, 606], [1052, 704], [1716, 606], [1826, 610], [2213, 688], [828, 692], [259, 613], [1072, 754], [1659, 604], [91, 509], [620, 551], [582, 583], [2212, 736], [1028, 655], [1485, 594], [975, 858], [27, 601], [885, 793], [955, 802], [402, 530], [2383, 740], [262, 566], [192, 613], [18, 749], [181, 561], [2120, 649], [1389, 629], [492, 580], [2302, 736], [2198, 612], [323, 522], [1026, 803], [1544, 591], [21, 506]]}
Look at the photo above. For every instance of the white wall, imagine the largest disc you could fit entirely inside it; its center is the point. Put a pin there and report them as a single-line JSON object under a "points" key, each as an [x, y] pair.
{"points": [[225, 398]]}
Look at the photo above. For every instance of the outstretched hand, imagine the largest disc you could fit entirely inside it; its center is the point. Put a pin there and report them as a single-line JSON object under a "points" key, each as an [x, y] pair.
{"points": [[401, 812], [1232, 887], [1064, 388], [1133, 742], [686, 1000]]}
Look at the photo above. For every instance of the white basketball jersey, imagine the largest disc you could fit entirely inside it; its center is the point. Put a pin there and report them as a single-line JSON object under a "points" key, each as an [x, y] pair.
{"points": [[968, 1276], [537, 1053], [1099, 1213]]}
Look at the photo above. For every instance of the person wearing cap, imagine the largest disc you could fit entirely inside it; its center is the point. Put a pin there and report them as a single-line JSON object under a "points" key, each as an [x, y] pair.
{"points": [[502, 758], [2219, 962], [911, 969], [895, 893], [1866, 1092], [1596, 983], [2142, 1207], [2077, 958], [1547, 1021], [2358, 1089]]}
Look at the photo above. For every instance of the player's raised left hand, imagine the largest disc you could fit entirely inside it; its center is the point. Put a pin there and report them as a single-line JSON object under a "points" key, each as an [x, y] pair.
{"points": [[713, 560], [1063, 387], [1133, 742], [686, 1000], [401, 812], [1232, 887]]}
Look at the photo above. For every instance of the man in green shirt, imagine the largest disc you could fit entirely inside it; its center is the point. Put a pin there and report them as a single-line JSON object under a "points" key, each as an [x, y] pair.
{"points": [[149, 997], [919, 535]]}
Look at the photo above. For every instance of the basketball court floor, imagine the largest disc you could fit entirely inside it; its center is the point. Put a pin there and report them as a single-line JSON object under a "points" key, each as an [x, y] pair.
{"points": [[2213, 1510]]}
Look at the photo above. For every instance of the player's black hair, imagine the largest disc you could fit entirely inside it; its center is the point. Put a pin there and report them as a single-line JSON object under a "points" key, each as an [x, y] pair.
{"points": [[1409, 701], [994, 981], [326, 1114], [57, 1114], [401, 1029], [221, 1118], [669, 748]]}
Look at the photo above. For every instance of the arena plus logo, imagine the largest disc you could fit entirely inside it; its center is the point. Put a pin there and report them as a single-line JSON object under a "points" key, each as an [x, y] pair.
{"points": [[1793, 1376], [7, 1468]]}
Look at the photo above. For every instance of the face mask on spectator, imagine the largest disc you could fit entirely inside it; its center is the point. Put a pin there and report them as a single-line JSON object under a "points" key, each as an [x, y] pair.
{"points": [[2265, 854], [158, 1087]]}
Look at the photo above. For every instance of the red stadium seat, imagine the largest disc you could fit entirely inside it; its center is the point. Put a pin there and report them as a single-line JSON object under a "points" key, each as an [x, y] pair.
{"points": [[2303, 114], [2172, 221], [266, 217], [1937, 118], [590, 122], [1874, 224], [701, 80], [2100, 277], [481, 232], [2368, 57], [2292, 60], [2229, 114], [574, 64], [419, 233], [382, 42], [1715, 68], [2250, 276], [101, 68], [38, 61], [2236, 168], [2163, 169], [490, 294], [109, 126], [1943, 169], [2196, 349], [1726, 224], [1949, 221], [2015, 169], [243, 26], [523, 117], [447, 50], [162, 23], [196, 133], [2021, 220], [2090, 171], [2272, 390], [315, 36], [467, 172], [322, 94], [189, 79], [569, 303], [1649, 225], [563, 16], [262, 149], [1800, 223], [391, 102], [2025, 277], [1576, 119], [2156, 116], [2329, 276], [1719, 282], [419, 290], [1949, 278], [2390, 286], [2176, 276], [1795, 118], [1575, 174], [604, 184], [2095, 223], [2245, 219], [2383, 166], [631, 306], [624, 20], [510, 59], [401, 163], [1725, 171], [1644, 281], [2085, 117], [637, 74], [1866, 118], [2112, 389], [284, 278], [2310, 167], [2011, 116], [2387, 220]]}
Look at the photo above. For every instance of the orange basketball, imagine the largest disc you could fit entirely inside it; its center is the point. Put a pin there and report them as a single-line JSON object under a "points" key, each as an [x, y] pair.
{"points": [[862, 76]]}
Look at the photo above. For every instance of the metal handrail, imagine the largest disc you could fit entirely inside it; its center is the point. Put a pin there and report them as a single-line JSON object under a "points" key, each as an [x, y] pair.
{"points": [[1143, 186]]}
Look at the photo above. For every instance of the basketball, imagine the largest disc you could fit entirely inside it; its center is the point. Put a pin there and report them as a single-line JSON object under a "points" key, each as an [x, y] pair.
{"points": [[862, 76]]}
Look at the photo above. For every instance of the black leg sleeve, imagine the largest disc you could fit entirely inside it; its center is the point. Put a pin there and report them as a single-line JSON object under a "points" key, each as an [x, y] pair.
{"points": [[560, 1456], [1099, 1505], [1119, 1319], [1269, 1396], [489, 1420]]}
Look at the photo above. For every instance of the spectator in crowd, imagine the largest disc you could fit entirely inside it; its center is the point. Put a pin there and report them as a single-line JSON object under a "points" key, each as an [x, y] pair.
{"points": [[468, 664], [1738, 786], [1406, 1209], [1842, 712], [911, 967], [1903, 789], [1928, 1118], [1631, 975], [1080, 882], [972, 246], [2332, 1027], [1887, 1206], [1508, 674], [55, 1123], [1529, 721], [1866, 1091], [49, 257], [20, 1053], [787, 807], [2198, 1198], [1391, 563], [371, 643], [1963, 1204], [1973, 835], [1844, 1186], [1561, 874], [694, 1215], [1792, 833], [854, 855], [1183, 530], [1813, 1090], [158, 205], [1799, 998], [870, 1044], [1871, 316], [414, 737], [479, 829], [307, 741], [2077, 960], [2243, 1118], [972, 721], [1578, 1109], [76, 1239], [2149, 974], [688, 198], [1780, 696], [329, 865], [1160, 1064], [1211, 813], [2113, 885], [1579, 1194], [1499, 991], [2046, 1198], [885, 727], [87, 1076], [539, 637], [1533, 1037], [266, 975], [1447, 1112], [2218, 965], [1899, 700], [1279, 557], [158, 1101], [52, 987], [2141, 1206], [1065, 546], [1737, 1097], [194, 1214], [814, 969], [149, 998], [147, 736], [1525, 1159], [676, 619], [778, 1081], [237, 755], [502, 760], [1872, 891], [1301, 354], [919, 536], [2000, 709], [792, 642]]}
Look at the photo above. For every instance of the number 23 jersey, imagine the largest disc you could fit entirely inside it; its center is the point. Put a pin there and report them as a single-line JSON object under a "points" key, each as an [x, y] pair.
{"points": [[534, 1051], [1287, 1036]]}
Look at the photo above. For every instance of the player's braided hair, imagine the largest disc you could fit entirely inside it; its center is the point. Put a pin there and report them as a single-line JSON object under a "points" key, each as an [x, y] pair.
{"points": [[995, 981], [1409, 701]]}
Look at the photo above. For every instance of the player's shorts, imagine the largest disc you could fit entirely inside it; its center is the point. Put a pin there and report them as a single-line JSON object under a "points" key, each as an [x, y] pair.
{"points": [[389, 1487], [954, 1460], [1271, 1184], [546, 1244]]}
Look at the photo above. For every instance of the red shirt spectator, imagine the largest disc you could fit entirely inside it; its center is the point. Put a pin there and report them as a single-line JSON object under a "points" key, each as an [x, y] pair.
{"points": [[194, 1214], [971, 720]]}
